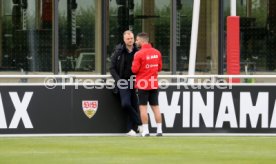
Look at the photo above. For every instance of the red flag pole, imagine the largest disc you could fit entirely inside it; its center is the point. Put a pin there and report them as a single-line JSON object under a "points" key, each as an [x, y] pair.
{"points": [[233, 43]]}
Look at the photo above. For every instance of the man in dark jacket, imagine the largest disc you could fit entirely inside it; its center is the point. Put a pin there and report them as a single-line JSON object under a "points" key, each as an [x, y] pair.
{"points": [[120, 69]]}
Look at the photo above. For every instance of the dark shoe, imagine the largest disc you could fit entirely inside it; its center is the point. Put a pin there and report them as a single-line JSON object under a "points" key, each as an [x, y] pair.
{"points": [[145, 135], [159, 135]]}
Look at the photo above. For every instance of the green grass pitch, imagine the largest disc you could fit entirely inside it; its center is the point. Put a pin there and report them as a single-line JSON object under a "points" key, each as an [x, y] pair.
{"points": [[132, 150]]}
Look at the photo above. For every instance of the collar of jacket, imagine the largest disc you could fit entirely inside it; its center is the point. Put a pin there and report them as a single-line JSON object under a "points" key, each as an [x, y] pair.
{"points": [[123, 47], [146, 46]]}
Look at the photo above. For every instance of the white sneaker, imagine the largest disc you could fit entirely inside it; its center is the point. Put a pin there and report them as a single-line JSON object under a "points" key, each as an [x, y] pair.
{"points": [[131, 133], [140, 129]]}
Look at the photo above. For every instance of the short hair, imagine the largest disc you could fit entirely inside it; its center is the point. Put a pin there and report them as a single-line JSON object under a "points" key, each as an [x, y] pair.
{"points": [[127, 32], [144, 36]]}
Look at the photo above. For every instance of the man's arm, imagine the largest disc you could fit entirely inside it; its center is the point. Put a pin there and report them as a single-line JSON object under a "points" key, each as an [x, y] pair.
{"points": [[112, 68], [136, 64], [160, 63]]}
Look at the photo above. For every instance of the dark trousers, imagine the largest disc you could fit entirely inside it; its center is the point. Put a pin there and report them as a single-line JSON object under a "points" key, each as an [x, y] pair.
{"points": [[130, 106]]}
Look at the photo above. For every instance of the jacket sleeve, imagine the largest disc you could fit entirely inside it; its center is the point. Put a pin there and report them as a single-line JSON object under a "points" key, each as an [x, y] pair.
{"points": [[112, 69], [136, 64], [160, 63]]}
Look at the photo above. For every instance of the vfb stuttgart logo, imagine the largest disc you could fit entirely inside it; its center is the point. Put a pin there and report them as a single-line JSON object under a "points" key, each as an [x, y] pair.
{"points": [[89, 108]]}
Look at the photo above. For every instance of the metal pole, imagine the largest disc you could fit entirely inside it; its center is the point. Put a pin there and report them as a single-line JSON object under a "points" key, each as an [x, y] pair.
{"points": [[55, 38], [194, 38], [248, 8], [221, 39], [173, 41], [104, 28], [233, 7]]}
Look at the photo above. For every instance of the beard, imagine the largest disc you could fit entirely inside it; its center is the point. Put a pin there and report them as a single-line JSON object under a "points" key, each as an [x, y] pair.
{"points": [[138, 45]]}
